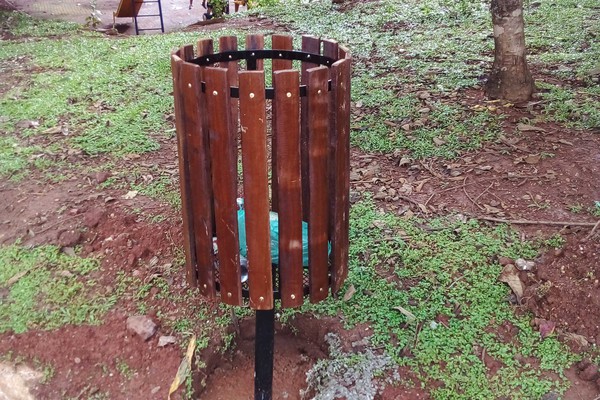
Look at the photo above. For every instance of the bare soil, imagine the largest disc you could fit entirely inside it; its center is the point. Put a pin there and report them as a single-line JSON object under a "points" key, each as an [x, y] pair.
{"points": [[538, 175]]}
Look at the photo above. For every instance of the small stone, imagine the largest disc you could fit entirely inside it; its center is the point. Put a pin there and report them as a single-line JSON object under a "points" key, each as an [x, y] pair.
{"points": [[101, 177], [66, 274], [77, 360], [590, 373], [69, 238], [166, 340], [523, 265], [142, 325], [550, 396], [155, 389], [93, 217], [504, 260], [354, 176]]}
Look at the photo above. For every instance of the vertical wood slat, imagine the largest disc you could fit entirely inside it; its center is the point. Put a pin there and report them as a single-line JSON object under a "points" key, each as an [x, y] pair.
{"points": [[286, 106], [184, 174], [330, 49], [224, 177], [310, 44], [318, 149], [203, 205], [229, 43], [255, 42], [256, 190], [278, 42], [199, 166], [341, 86]]}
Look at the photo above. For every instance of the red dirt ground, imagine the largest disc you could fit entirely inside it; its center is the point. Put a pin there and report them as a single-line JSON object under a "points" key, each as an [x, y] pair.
{"points": [[537, 175]]}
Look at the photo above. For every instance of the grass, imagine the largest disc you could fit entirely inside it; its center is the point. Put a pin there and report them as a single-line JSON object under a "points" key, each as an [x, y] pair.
{"points": [[46, 289], [414, 61], [442, 271]]}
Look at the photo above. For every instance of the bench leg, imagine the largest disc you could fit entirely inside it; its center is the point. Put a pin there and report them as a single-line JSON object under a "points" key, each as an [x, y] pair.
{"points": [[263, 354]]}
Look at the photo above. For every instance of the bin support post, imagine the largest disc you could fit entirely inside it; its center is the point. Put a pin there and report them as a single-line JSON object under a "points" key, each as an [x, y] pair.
{"points": [[263, 354]]}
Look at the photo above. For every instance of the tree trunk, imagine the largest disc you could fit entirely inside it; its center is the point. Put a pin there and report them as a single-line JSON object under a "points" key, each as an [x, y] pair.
{"points": [[510, 78]]}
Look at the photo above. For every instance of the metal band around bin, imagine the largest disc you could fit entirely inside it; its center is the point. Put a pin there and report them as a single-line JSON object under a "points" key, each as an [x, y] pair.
{"points": [[252, 55]]}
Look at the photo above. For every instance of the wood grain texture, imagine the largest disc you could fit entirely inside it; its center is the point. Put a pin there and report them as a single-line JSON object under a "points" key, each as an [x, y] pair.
{"points": [[289, 188], [256, 190], [184, 175], [278, 42], [318, 150], [229, 43], [310, 44], [255, 42], [224, 178], [341, 209]]}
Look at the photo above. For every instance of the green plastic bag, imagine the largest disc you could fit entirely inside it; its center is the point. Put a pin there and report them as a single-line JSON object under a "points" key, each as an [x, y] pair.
{"points": [[274, 224]]}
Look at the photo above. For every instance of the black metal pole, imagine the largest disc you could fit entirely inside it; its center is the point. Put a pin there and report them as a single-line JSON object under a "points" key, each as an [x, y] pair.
{"points": [[263, 354]]}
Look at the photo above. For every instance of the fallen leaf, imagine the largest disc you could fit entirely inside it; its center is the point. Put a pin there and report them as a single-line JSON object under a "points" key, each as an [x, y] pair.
{"points": [[438, 141], [510, 276], [423, 208], [528, 128], [532, 159], [52, 131], [563, 141], [349, 293], [16, 278], [546, 328], [185, 367], [580, 340], [130, 195], [409, 316], [491, 210]]}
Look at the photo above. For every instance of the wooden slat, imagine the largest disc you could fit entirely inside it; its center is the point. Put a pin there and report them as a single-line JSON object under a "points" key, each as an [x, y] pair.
{"points": [[310, 44], [206, 46], [341, 86], [229, 43], [200, 180], [281, 42], [330, 49], [286, 107], [278, 42], [318, 149], [255, 42], [224, 178], [256, 189], [184, 175]]}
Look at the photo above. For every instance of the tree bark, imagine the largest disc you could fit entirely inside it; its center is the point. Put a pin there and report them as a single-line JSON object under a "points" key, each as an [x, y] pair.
{"points": [[510, 78]]}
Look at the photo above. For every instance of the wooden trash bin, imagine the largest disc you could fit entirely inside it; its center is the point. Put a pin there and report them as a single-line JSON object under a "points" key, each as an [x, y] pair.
{"points": [[283, 149]]}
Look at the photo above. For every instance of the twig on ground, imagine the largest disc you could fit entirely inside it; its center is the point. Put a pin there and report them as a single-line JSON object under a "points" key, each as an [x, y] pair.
{"points": [[482, 193], [534, 222], [591, 234], [56, 224], [469, 197]]}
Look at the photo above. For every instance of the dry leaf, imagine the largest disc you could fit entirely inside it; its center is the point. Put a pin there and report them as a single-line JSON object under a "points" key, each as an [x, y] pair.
{"points": [[349, 293], [546, 328], [491, 210], [185, 367], [510, 276], [409, 316], [532, 159], [130, 195], [438, 141], [423, 208], [529, 128], [580, 340]]}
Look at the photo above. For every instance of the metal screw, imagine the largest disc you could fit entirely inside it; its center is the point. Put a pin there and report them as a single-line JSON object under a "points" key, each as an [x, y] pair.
{"points": [[261, 298], [205, 286], [190, 85], [228, 294], [319, 91], [280, 55], [252, 54], [215, 93], [288, 94], [230, 57], [308, 56], [251, 95], [320, 289], [293, 296]]}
